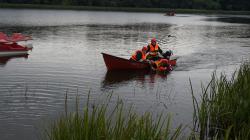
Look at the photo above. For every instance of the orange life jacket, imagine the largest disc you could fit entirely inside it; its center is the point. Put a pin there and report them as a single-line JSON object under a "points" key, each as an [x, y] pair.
{"points": [[162, 64], [153, 50], [157, 63], [135, 53]]}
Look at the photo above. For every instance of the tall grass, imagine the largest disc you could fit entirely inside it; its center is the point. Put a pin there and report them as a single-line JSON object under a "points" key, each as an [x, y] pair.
{"points": [[224, 109], [222, 113], [102, 122]]}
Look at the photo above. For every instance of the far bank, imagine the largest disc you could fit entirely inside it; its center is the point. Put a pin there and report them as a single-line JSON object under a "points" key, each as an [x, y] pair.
{"points": [[123, 9]]}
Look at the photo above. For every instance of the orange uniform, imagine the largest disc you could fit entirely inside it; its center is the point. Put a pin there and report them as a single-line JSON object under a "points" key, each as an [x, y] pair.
{"points": [[163, 65], [153, 50], [138, 56]]}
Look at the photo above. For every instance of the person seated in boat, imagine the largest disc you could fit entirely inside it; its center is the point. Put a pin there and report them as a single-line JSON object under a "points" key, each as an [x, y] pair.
{"points": [[162, 65], [139, 55], [167, 54], [153, 50]]}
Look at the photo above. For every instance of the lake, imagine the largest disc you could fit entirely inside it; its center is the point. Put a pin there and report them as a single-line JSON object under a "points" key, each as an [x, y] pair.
{"points": [[67, 59]]}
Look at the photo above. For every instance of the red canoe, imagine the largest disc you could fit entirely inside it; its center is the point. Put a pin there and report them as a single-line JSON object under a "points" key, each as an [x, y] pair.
{"points": [[117, 63]]}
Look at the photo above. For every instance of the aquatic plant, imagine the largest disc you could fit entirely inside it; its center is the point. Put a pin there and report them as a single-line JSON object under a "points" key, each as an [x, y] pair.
{"points": [[223, 112], [102, 122], [224, 109]]}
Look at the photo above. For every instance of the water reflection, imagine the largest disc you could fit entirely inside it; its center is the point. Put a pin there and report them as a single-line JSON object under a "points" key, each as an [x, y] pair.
{"points": [[130, 33], [113, 78], [5, 59], [67, 56], [242, 20]]}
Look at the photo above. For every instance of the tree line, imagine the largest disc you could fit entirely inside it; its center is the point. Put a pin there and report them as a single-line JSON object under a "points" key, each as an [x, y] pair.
{"points": [[183, 4]]}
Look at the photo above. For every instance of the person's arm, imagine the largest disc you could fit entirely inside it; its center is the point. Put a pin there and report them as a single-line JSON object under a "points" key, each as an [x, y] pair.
{"points": [[148, 49], [160, 51]]}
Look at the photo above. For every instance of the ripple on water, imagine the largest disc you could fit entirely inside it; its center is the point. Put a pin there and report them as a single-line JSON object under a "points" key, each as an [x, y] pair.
{"points": [[66, 59]]}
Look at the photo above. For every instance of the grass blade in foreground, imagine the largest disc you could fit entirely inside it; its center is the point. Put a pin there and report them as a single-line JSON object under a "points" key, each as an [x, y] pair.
{"points": [[93, 124], [224, 111]]}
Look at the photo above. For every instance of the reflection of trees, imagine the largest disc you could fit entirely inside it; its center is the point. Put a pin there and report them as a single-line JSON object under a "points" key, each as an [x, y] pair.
{"points": [[45, 32], [244, 20], [38, 31], [130, 35]]}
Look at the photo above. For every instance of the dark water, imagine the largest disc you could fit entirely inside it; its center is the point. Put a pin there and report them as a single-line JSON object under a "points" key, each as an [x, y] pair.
{"points": [[67, 58]]}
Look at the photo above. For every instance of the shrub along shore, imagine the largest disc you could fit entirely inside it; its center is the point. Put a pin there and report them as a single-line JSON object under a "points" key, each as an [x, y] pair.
{"points": [[223, 112], [125, 9]]}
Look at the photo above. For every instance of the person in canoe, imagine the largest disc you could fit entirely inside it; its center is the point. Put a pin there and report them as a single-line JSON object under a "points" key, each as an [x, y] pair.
{"points": [[139, 55], [161, 65], [153, 50], [167, 54]]}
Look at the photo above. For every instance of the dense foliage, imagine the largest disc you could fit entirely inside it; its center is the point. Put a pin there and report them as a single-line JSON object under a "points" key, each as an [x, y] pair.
{"points": [[184, 4]]}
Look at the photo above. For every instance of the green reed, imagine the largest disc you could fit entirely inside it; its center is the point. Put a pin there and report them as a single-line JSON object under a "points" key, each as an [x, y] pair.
{"points": [[224, 109], [103, 122]]}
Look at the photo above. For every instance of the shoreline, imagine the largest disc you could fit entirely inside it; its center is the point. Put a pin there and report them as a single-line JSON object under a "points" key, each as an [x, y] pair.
{"points": [[121, 9]]}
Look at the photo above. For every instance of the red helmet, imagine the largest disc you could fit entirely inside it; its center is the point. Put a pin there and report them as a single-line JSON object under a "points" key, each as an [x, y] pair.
{"points": [[153, 40], [145, 48]]}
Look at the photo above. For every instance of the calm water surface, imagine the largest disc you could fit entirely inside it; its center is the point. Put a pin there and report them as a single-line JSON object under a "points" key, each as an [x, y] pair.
{"points": [[67, 58]]}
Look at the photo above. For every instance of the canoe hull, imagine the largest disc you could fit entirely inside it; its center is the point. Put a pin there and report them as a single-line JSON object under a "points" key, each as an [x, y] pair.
{"points": [[117, 63]]}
